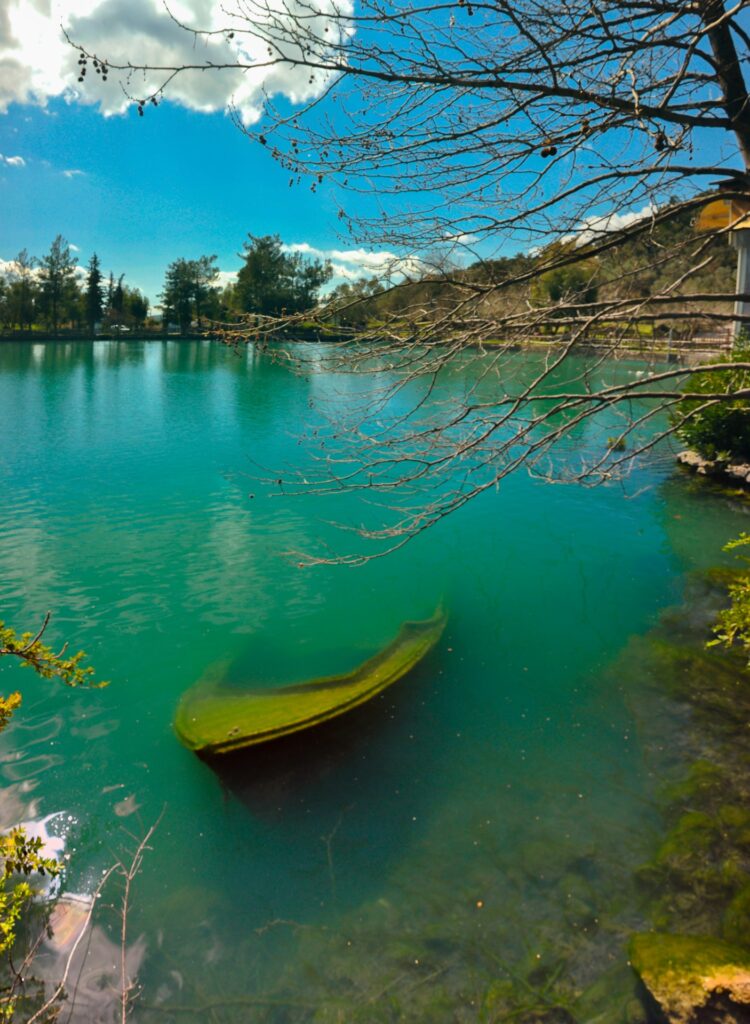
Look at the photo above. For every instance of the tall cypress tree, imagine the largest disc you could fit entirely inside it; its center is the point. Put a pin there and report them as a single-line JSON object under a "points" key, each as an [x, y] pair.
{"points": [[118, 298], [94, 293]]}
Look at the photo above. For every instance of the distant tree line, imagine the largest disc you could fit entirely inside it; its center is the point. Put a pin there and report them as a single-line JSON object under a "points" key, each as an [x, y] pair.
{"points": [[52, 292]]}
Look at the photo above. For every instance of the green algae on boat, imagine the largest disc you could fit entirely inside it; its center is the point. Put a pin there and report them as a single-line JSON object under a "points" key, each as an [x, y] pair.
{"points": [[216, 719]]}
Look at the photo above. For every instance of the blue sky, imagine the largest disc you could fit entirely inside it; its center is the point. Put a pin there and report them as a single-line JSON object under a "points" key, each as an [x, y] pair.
{"points": [[182, 181], [144, 191]]}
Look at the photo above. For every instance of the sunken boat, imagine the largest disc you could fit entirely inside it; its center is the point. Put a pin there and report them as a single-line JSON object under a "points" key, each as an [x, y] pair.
{"points": [[213, 718]]}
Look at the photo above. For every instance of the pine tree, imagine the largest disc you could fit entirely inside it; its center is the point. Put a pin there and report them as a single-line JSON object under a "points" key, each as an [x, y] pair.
{"points": [[118, 297], [23, 291], [58, 287], [94, 294], [177, 297], [273, 280]]}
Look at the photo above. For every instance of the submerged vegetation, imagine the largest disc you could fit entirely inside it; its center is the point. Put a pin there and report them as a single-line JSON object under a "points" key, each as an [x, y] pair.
{"points": [[697, 885]]}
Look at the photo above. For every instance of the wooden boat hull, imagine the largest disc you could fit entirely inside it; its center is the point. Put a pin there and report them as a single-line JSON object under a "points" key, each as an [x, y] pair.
{"points": [[212, 719]]}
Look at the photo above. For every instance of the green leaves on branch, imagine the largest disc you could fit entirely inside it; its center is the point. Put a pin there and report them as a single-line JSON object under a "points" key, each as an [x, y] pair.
{"points": [[19, 855], [733, 623], [7, 706], [32, 652]]}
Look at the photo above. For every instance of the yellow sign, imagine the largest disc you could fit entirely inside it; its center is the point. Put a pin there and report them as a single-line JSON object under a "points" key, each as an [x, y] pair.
{"points": [[723, 213]]}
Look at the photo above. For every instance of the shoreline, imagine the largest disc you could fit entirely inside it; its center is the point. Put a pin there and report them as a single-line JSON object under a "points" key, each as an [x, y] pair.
{"points": [[688, 352]]}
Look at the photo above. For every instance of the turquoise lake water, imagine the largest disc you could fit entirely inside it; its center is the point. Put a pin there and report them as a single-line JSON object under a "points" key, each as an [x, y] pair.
{"points": [[484, 812]]}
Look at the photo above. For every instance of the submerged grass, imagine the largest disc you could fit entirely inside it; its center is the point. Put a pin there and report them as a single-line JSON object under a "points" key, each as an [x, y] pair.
{"points": [[698, 882]]}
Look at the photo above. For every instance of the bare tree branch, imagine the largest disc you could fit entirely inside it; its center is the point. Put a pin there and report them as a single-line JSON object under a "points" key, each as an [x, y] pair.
{"points": [[537, 172]]}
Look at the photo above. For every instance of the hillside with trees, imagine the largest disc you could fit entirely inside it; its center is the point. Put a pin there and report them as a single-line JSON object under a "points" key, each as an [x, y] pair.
{"points": [[580, 275]]}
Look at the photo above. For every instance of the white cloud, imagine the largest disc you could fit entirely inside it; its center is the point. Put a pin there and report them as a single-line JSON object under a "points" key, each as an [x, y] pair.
{"points": [[72, 173], [594, 227], [12, 161], [37, 63], [226, 277], [10, 269], [351, 264], [462, 239]]}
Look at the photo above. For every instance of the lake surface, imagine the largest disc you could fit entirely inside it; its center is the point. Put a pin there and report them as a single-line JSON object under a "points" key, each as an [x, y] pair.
{"points": [[475, 822]]}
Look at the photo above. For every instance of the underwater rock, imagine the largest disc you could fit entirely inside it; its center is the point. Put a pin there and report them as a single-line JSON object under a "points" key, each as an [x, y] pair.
{"points": [[692, 460], [693, 979], [735, 471], [68, 919], [739, 471], [216, 719]]}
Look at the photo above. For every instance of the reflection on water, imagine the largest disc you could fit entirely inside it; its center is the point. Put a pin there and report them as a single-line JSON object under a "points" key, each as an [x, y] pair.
{"points": [[459, 845]]}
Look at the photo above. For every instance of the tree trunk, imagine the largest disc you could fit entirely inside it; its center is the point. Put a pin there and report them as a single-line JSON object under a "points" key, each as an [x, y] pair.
{"points": [[729, 75]]}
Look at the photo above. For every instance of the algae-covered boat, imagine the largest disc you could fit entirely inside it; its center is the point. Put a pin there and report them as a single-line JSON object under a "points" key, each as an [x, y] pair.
{"points": [[215, 719]]}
